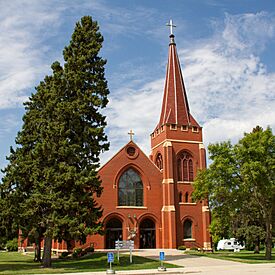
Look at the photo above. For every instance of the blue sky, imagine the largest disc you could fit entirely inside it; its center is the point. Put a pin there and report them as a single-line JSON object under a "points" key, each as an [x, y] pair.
{"points": [[226, 49]]}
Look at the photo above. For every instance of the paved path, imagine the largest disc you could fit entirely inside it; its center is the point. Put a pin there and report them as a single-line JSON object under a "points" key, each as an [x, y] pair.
{"points": [[207, 266], [193, 265]]}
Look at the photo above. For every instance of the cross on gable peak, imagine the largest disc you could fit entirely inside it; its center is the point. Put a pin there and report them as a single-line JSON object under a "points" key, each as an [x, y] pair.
{"points": [[131, 134]]}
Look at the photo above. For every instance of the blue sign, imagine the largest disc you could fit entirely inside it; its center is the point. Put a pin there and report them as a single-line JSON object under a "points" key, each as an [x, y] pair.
{"points": [[161, 256], [110, 256]]}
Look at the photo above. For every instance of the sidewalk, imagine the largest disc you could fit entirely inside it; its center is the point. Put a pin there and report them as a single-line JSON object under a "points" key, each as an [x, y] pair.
{"points": [[192, 265]]}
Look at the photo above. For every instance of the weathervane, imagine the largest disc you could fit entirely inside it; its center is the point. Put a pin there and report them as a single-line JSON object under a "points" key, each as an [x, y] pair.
{"points": [[171, 25], [131, 134]]}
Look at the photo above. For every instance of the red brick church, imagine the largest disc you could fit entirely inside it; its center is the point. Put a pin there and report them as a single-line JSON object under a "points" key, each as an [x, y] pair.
{"points": [[149, 199]]}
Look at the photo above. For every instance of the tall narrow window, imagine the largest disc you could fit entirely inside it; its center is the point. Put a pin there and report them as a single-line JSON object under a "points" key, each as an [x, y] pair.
{"points": [[185, 167], [130, 189], [159, 161], [180, 197], [187, 229], [179, 165], [186, 197], [190, 170]]}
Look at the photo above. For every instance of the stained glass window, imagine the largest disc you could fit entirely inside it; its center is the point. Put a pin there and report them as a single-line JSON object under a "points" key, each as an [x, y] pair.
{"points": [[130, 189], [185, 167]]}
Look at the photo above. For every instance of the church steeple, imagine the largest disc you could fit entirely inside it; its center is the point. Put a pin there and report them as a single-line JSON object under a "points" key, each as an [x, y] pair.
{"points": [[175, 108]]}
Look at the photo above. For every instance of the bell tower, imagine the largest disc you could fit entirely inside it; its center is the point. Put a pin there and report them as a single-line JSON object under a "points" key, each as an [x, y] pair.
{"points": [[177, 149]]}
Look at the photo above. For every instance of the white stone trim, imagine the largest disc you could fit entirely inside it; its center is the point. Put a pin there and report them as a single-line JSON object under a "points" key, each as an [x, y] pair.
{"points": [[131, 207], [168, 181], [167, 143], [201, 146], [189, 240], [175, 140], [168, 208], [187, 203]]}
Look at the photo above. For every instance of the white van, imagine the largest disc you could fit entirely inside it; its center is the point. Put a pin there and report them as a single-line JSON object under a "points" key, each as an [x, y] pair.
{"points": [[230, 244]]}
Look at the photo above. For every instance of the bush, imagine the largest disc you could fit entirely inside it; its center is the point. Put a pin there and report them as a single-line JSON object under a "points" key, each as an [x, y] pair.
{"points": [[89, 249], [194, 249], [78, 252], [64, 255], [12, 245], [182, 247]]}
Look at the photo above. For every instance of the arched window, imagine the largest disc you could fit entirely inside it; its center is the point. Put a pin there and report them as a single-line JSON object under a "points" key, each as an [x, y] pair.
{"points": [[185, 167], [159, 161], [130, 189], [186, 197], [187, 229], [180, 197]]}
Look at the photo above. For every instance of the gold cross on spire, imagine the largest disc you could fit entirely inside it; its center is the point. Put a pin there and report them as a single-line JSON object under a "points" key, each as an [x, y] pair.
{"points": [[131, 134], [171, 25]]}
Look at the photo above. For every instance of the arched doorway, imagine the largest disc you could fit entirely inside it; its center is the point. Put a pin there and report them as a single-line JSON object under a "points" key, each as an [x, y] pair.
{"points": [[147, 234], [113, 232]]}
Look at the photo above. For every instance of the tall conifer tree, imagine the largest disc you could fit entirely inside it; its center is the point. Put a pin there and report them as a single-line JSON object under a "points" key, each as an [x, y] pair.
{"points": [[52, 173]]}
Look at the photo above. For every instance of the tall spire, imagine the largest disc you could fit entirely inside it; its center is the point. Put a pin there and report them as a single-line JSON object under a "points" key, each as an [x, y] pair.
{"points": [[175, 108]]}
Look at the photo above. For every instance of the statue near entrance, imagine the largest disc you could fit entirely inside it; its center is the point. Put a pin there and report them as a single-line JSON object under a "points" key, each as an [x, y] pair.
{"points": [[132, 233]]}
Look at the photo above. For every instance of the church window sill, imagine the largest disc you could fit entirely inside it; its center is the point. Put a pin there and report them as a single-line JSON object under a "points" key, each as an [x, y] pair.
{"points": [[131, 207], [185, 182], [189, 240], [187, 203], [173, 127], [184, 128], [195, 129]]}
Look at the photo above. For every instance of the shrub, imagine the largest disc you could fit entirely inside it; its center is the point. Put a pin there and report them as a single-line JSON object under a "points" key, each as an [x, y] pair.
{"points": [[78, 252], [12, 245], [182, 247], [89, 249], [64, 255], [193, 248]]}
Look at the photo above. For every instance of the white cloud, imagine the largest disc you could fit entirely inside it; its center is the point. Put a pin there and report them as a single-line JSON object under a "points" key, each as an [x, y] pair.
{"points": [[229, 88], [23, 26]]}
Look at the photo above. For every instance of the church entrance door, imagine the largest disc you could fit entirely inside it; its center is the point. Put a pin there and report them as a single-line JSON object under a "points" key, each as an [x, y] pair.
{"points": [[113, 232], [147, 235]]}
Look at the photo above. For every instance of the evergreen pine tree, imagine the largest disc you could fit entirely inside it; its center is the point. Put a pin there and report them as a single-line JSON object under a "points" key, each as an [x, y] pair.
{"points": [[53, 170]]}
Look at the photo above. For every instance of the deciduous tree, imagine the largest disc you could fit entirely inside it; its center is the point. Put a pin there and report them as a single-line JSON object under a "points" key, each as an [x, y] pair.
{"points": [[241, 179]]}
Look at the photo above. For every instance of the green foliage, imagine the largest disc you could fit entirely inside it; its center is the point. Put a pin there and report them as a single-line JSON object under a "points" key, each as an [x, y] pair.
{"points": [[89, 249], [240, 186], [64, 255], [182, 247], [78, 252], [51, 178], [12, 245]]}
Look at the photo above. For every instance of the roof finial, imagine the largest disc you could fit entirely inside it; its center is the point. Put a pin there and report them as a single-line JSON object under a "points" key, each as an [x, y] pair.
{"points": [[171, 25], [131, 134]]}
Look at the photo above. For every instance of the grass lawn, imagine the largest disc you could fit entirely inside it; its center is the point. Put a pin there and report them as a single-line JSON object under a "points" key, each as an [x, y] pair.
{"points": [[16, 263], [243, 256]]}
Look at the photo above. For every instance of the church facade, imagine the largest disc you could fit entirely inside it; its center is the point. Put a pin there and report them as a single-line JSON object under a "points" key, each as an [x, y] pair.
{"points": [[149, 199]]}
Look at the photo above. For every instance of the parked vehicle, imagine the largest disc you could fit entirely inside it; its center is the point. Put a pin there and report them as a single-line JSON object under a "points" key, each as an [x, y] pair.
{"points": [[230, 244]]}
